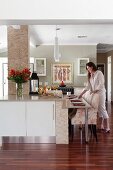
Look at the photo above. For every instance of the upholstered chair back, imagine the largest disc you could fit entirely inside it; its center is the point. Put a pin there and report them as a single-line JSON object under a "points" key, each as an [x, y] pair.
{"points": [[93, 100]]}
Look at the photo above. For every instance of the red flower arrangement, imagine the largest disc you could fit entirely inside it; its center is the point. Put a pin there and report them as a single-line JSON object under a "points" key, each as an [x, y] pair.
{"points": [[19, 76]]}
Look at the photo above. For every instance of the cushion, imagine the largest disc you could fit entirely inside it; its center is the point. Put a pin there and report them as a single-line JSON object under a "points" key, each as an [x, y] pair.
{"points": [[92, 99], [79, 118]]}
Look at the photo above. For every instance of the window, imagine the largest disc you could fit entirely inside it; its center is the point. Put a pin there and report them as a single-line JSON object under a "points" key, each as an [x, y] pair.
{"points": [[82, 66], [40, 66]]}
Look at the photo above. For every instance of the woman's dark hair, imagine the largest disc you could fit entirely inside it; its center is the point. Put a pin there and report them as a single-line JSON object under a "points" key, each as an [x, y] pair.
{"points": [[91, 64]]}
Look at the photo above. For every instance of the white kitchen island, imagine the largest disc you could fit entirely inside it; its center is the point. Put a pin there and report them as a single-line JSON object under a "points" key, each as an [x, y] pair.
{"points": [[32, 116]]}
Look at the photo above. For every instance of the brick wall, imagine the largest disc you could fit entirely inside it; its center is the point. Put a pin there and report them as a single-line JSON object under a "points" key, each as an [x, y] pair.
{"points": [[18, 53]]}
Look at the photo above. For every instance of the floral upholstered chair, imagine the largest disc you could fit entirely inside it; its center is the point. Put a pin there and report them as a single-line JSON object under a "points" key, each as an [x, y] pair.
{"points": [[79, 118]]}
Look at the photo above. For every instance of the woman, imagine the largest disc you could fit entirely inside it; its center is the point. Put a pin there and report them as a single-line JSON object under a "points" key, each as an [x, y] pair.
{"points": [[96, 85]]}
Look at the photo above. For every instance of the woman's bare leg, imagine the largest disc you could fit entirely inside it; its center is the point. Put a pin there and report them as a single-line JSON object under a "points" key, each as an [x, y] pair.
{"points": [[101, 123], [106, 124]]}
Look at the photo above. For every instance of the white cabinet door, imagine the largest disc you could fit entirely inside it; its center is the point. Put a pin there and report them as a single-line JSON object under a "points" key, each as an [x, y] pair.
{"points": [[41, 118], [12, 119]]}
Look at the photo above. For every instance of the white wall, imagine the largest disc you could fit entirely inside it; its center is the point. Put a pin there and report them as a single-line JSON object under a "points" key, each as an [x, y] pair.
{"points": [[69, 54], [3, 60]]}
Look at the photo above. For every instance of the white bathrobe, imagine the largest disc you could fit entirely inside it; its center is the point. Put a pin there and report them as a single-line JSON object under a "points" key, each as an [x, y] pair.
{"points": [[97, 83]]}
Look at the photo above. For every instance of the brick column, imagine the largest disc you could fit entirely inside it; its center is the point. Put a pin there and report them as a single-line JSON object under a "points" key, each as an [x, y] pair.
{"points": [[18, 54]]}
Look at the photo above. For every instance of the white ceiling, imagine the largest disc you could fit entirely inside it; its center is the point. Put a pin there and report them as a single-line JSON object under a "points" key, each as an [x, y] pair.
{"points": [[68, 34], [101, 34]]}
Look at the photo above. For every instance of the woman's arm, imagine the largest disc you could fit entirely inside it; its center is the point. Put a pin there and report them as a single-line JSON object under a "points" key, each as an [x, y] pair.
{"points": [[87, 87], [84, 91], [100, 81], [95, 91]]}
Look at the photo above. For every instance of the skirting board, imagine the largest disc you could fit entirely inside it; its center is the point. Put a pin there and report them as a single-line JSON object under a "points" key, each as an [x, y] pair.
{"points": [[37, 139]]}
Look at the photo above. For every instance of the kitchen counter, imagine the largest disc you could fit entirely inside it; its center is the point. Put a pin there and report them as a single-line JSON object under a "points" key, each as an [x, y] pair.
{"points": [[34, 116], [30, 98]]}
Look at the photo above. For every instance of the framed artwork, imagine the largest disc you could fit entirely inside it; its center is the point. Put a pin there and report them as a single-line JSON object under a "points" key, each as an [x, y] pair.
{"points": [[40, 66], [101, 67], [31, 67], [62, 72], [82, 66]]}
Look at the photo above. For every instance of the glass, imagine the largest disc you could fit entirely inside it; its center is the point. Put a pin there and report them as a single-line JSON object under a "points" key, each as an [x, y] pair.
{"points": [[34, 85], [19, 89]]}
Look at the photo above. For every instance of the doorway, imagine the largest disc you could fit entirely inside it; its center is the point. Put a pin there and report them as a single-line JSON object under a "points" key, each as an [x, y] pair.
{"points": [[3, 78], [4, 73]]}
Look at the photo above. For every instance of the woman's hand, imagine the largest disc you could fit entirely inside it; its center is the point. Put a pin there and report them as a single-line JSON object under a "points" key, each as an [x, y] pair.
{"points": [[93, 92], [80, 96]]}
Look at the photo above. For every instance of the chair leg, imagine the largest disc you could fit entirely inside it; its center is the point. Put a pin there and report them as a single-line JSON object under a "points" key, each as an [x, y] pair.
{"points": [[81, 133], [90, 128], [70, 129], [95, 132], [72, 132], [69, 126]]}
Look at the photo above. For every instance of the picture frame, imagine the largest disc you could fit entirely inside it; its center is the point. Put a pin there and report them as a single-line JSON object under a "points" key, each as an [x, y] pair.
{"points": [[40, 66], [62, 72], [82, 66], [101, 67], [31, 65]]}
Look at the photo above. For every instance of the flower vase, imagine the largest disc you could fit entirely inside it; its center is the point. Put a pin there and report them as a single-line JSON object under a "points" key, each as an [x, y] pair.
{"points": [[19, 88]]}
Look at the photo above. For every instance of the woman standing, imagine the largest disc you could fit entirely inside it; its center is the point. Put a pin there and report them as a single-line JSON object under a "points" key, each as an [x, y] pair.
{"points": [[96, 85]]}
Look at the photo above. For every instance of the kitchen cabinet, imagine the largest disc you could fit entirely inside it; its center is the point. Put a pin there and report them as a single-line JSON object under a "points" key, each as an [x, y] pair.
{"points": [[12, 119], [27, 118], [41, 118]]}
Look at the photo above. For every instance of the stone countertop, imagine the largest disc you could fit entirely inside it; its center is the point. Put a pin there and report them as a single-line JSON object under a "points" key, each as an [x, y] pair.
{"points": [[66, 103], [29, 98]]}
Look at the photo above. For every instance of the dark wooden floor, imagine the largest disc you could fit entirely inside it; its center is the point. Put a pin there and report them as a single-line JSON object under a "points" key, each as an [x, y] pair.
{"points": [[75, 156]]}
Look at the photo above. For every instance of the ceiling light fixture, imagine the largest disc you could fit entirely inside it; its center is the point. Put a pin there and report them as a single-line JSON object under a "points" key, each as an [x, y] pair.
{"points": [[82, 36], [57, 55]]}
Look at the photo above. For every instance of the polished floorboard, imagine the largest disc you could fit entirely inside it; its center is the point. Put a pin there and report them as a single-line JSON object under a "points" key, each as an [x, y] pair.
{"points": [[76, 156]]}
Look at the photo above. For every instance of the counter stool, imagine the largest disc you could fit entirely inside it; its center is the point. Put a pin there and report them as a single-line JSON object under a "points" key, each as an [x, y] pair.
{"points": [[79, 119]]}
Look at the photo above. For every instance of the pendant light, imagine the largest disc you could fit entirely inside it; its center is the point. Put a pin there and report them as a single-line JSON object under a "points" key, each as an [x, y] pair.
{"points": [[57, 55]]}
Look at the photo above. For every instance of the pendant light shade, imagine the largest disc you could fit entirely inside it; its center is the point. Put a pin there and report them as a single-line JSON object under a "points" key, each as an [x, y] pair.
{"points": [[57, 55]]}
